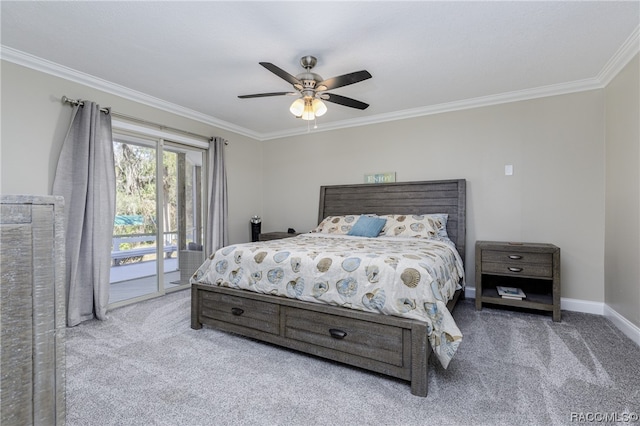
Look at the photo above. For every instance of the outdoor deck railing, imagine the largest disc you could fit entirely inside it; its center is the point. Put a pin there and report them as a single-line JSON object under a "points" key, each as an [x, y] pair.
{"points": [[118, 254]]}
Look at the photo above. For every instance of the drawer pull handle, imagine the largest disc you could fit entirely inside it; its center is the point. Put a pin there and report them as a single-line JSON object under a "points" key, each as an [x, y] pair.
{"points": [[337, 334], [512, 269], [515, 256], [237, 311]]}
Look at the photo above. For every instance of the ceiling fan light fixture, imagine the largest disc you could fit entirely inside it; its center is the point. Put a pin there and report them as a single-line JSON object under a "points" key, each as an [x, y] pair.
{"points": [[307, 108], [308, 113], [297, 107], [319, 108]]}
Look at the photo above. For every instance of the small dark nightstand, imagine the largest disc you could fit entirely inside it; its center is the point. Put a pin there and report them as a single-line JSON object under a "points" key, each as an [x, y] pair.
{"points": [[535, 268], [276, 235]]}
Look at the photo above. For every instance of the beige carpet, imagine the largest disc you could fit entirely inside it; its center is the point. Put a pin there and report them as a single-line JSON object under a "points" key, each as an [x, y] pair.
{"points": [[146, 366]]}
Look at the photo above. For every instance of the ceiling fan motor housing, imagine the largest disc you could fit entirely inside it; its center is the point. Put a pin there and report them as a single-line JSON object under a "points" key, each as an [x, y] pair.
{"points": [[309, 82], [308, 62]]}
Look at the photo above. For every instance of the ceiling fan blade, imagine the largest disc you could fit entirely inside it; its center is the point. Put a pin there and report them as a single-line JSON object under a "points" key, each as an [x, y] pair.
{"points": [[343, 100], [262, 95], [281, 73], [343, 80]]}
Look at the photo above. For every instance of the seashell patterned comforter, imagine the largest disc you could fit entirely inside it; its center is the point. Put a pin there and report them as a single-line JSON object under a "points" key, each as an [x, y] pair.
{"points": [[405, 277]]}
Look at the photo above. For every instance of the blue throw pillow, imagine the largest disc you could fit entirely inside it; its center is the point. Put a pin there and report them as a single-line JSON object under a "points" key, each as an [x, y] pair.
{"points": [[367, 226]]}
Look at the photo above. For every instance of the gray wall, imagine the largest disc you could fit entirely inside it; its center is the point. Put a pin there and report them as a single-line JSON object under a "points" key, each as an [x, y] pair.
{"points": [[561, 185], [34, 123], [556, 195], [622, 231]]}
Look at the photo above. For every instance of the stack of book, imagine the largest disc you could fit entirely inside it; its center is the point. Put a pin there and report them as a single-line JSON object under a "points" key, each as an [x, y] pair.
{"points": [[511, 293]]}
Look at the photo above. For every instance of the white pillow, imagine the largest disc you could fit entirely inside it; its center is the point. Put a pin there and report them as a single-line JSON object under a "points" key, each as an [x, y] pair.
{"points": [[338, 225], [414, 226]]}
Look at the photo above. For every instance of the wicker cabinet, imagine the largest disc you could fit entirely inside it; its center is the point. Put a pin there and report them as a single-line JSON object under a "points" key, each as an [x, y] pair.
{"points": [[532, 267], [33, 318]]}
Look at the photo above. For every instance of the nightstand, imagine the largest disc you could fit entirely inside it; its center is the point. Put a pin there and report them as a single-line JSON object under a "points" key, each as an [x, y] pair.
{"points": [[276, 235], [533, 267]]}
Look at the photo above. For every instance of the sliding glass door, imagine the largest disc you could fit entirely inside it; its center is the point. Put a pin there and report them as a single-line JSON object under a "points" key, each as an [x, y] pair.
{"points": [[158, 227], [183, 208]]}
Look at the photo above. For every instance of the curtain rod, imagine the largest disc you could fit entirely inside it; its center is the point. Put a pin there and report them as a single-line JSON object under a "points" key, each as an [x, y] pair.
{"points": [[75, 102]]}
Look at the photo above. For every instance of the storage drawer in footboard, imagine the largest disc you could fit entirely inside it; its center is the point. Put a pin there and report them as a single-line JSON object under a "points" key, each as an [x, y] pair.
{"points": [[253, 314], [385, 344], [352, 336]]}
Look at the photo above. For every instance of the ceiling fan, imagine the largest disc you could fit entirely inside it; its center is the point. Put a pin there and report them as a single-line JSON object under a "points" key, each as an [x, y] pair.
{"points": [[312, 89]]}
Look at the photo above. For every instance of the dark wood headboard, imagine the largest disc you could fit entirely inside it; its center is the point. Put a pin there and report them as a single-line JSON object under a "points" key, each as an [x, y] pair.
{"points": [[440, 196]]}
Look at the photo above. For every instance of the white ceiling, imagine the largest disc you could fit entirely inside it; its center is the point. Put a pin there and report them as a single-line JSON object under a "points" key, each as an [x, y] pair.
{"points": [[195, 58]]}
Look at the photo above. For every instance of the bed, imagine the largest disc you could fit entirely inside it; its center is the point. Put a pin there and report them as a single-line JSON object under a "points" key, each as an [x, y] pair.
{"points": [[331, 295]]}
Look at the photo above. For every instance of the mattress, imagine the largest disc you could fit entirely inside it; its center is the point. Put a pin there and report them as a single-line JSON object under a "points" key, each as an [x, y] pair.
{"points": [[405, 277]]}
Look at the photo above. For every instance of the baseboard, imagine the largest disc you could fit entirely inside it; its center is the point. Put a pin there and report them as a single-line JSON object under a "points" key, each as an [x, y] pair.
{"points": [[585, 306], [574, 305], [627, 327]]}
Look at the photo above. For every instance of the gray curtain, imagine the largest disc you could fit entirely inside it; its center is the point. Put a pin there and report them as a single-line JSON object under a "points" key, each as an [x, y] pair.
{"points": [[85, 177], [217, 218]]}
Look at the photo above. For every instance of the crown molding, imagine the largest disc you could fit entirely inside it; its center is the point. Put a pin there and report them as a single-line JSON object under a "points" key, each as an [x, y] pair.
{"points": [[618, 61], [621, 58], [36, 63], [483, 101]]}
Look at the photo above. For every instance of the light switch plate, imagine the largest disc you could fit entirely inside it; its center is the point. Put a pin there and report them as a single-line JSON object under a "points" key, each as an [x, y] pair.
{"points": [[508, 170]]}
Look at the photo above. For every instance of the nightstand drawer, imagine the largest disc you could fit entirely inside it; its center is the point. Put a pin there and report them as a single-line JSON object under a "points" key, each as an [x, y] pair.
{"points": [[276, 235], [518, 269], [516, 257]]}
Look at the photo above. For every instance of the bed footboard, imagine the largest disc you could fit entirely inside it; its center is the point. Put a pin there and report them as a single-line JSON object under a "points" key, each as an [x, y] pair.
{"points": [[397, 347]]}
